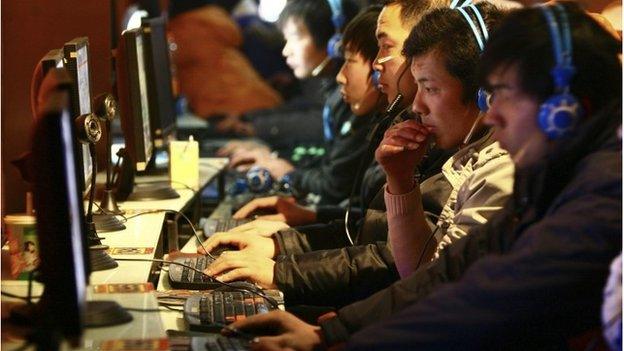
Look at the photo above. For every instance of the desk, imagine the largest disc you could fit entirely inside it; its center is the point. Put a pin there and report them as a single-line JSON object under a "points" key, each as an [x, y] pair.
{"points": [[141, 231]]}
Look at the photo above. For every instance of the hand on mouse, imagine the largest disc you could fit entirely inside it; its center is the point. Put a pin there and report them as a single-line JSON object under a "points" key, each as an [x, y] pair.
{"points": [[239, 265]]}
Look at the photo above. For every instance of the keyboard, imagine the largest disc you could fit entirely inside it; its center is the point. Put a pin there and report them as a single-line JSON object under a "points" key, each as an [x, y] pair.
{"points": [[181, 277], [211, 310], [216, 342], [214, 225]]}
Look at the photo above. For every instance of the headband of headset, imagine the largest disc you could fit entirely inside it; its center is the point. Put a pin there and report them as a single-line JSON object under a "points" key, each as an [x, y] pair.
{"points": [[562, 46]]}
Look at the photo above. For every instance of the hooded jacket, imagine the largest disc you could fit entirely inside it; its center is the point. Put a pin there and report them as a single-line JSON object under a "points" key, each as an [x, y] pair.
{"points": [[531, 278]]}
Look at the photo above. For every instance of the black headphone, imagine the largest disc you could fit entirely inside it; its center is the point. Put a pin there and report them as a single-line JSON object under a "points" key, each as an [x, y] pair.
{"points": [[334, 45], [560, 112]]}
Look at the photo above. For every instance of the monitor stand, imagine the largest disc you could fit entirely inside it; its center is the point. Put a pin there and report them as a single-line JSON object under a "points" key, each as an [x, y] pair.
{"points": [[152, 191], [96, 314], [127, 190], [105, 222], [99, 259]]}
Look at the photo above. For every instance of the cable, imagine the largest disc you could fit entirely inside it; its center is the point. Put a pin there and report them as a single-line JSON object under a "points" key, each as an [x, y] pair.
{"points": [[170, 181], [422, 254], [25, 298], [376, 136], [272, 301], [183, 216], [147, 310], [106, 212]]}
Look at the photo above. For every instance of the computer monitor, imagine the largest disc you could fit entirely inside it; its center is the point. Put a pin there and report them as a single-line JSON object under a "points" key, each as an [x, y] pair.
{"points": [[60, 220], [62, 311], [76, 61], [53, 59], [133, 98], [158, 71]]}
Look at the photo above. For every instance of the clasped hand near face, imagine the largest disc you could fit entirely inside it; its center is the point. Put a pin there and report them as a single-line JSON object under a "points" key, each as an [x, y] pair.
{"points": [[284, 332], [287, 210], [400, 151]]}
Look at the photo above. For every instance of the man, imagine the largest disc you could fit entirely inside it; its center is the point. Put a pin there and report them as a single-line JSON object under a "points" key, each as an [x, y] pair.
{"points": [[393, 26], [480, 175], [532, 277], [307, 27]]}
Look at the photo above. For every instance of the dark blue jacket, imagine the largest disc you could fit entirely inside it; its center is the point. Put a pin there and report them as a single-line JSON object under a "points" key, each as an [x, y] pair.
{"points": [[531, 278]]}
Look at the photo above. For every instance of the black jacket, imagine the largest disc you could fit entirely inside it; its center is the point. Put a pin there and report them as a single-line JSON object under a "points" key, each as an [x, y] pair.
{"points": [[322, 268], [297, 122], [333, 177], [531, 278]]}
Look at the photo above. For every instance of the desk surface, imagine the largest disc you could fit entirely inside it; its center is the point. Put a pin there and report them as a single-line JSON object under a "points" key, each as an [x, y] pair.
{"points": [[142, 231]]}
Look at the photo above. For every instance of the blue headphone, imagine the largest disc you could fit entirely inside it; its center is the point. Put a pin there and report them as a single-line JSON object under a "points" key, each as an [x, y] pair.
{"points": [[375, 78], [334, 45], [560, 112], [483, 98]]}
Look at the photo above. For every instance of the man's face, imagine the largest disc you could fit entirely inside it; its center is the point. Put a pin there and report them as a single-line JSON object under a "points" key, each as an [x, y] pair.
{"points": [[389, 62], [513, 114], [439, 102], [300, 52], [356, 85]]}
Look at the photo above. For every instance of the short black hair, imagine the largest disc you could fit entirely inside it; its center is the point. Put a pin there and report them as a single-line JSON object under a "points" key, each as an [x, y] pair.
{"points": [[523, 40], [316, 16], [448, 32], [413, 10], [359, 35]]}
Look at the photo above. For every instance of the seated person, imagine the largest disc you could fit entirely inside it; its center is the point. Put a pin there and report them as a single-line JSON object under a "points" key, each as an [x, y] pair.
{"points": [[532, 277], [307, 27], [480, 173], [211, 71], [367, 212]]}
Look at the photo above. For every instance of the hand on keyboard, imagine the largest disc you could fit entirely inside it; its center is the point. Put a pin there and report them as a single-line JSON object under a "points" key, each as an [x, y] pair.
{"points": [[260, 227], [287, 209], [250, 244], [238, 265], [284, 328]]}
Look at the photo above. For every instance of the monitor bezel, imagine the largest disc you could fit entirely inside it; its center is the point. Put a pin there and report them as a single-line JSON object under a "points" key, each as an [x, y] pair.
{"points": [[139, 147], [61, 224], [159, 79], [70, 52]]}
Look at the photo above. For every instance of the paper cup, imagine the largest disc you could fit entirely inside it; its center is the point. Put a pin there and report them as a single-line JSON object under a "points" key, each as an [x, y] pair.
{"points": [[21, 230]]}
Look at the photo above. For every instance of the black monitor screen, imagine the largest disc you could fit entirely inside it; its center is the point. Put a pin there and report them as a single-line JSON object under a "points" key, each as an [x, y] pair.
{"points": [[158, 69], [145, 112], [133, 98], [60, 220], [76, 57]]}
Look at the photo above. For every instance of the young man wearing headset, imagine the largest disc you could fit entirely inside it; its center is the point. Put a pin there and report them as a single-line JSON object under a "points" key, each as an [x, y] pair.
{"points": [[531, 278], [302, 251], [480, 173]]}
